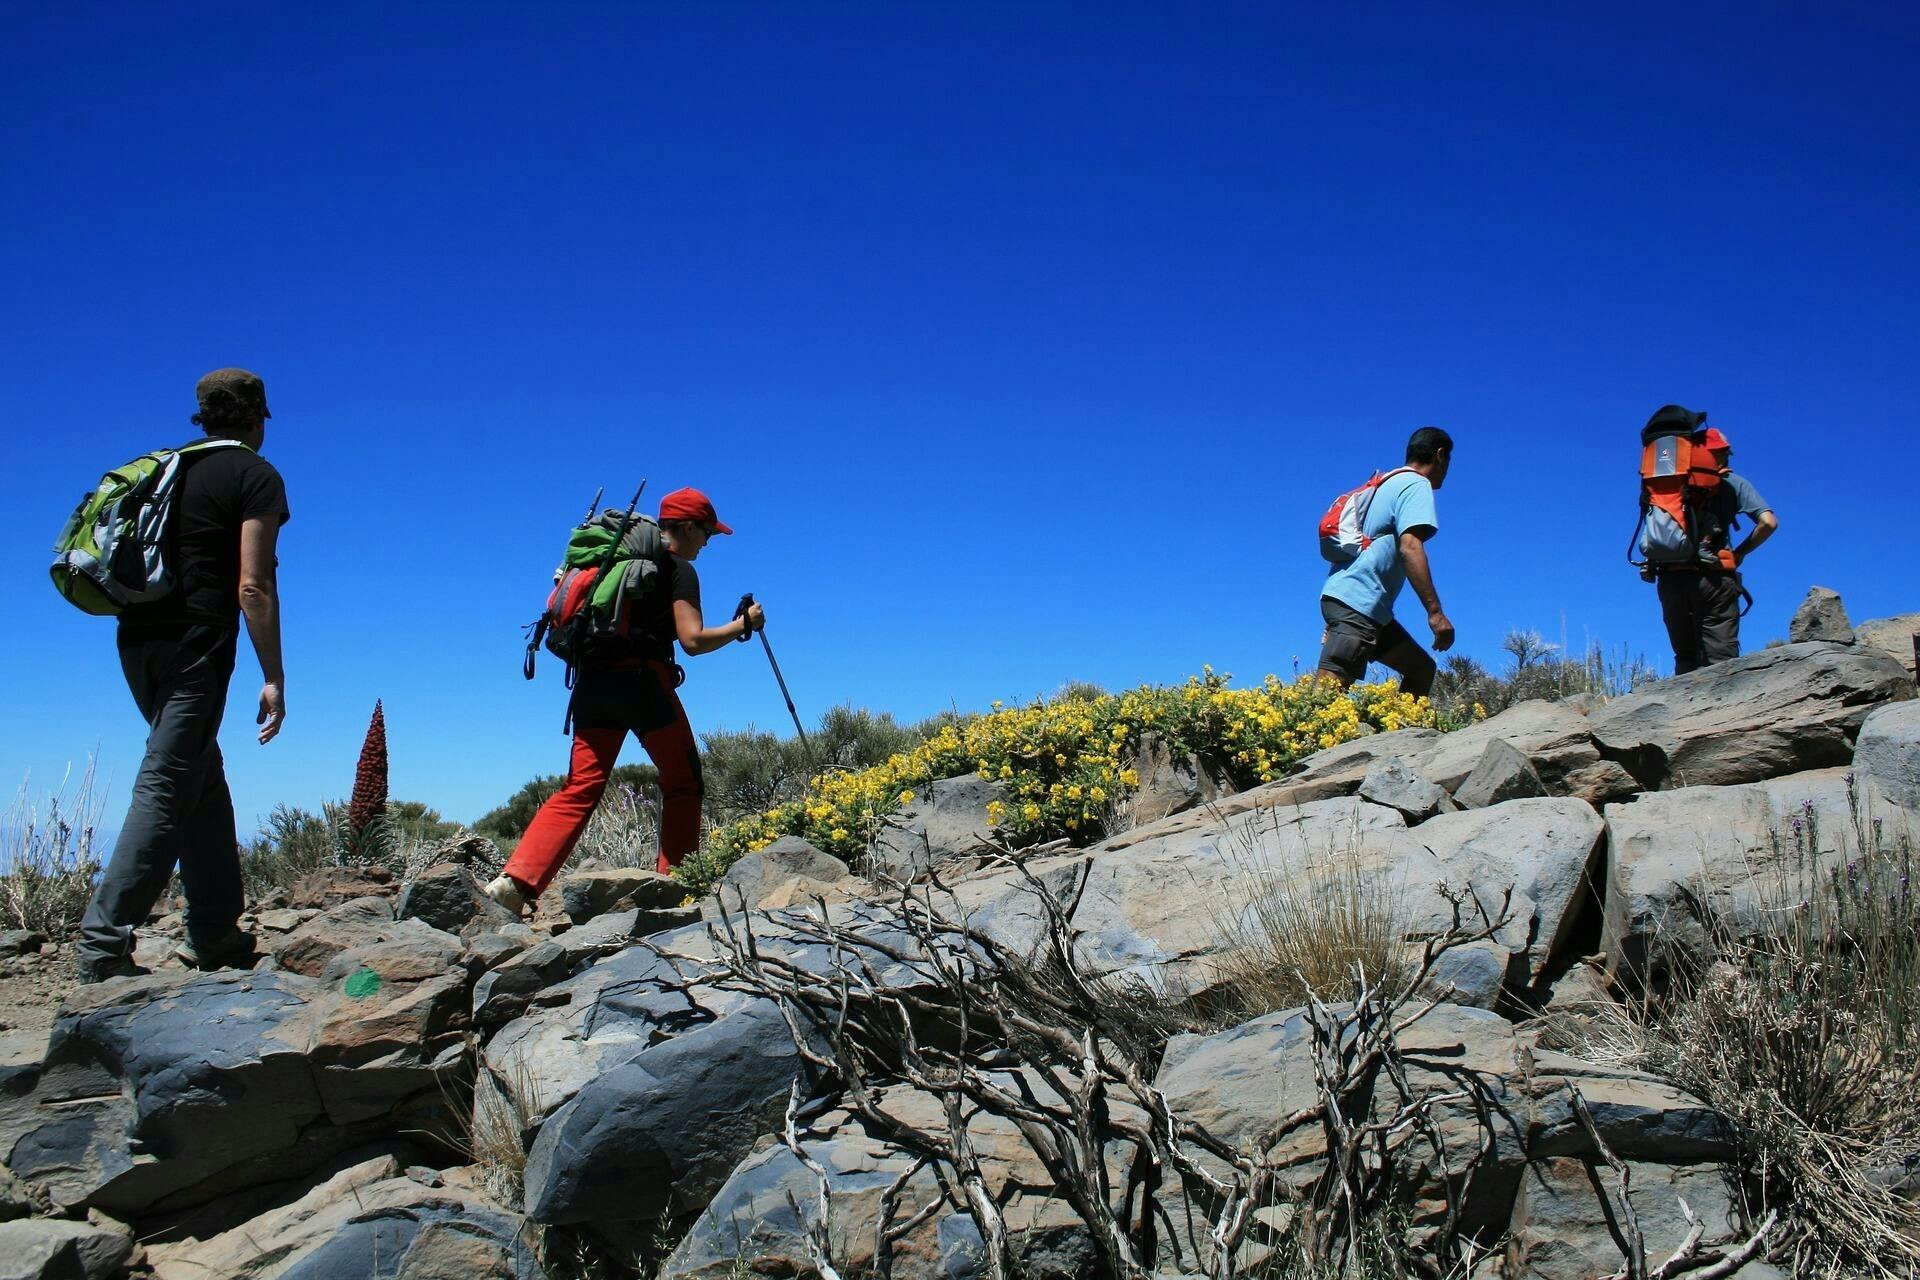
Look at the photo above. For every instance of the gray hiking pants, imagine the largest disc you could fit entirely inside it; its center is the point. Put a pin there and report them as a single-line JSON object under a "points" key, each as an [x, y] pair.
{"points": [[1702, 612], [181, 812]]}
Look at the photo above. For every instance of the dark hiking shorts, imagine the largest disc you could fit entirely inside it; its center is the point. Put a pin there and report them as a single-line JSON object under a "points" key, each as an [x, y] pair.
{"points": [[1353, 640]]}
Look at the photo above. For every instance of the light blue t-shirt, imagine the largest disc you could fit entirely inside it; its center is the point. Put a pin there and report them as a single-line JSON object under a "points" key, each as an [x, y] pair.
{"points": [[1372, 582]]}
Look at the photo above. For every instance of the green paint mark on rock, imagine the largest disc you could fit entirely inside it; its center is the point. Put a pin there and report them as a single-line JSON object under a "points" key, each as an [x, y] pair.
{"points": [[361, 983]]}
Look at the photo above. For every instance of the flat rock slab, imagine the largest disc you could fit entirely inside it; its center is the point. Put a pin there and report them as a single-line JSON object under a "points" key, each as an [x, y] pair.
{"points": [[1765, 715], [1729, 848], [368, 1222], [164, 1092]]}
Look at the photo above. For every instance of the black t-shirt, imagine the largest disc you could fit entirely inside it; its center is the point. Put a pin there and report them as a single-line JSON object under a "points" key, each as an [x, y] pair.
{"points": [[220, 489], [653, 627]]}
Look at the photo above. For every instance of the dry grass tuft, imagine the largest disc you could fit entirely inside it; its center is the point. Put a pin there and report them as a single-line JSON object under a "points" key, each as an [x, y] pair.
{"points": [[49, 856]]}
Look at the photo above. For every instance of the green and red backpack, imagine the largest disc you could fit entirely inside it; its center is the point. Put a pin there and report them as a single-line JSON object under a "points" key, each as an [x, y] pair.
{"points": [[117, 548], [613, 562]]}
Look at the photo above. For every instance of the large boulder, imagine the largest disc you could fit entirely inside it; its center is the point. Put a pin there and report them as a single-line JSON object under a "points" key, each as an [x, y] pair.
{"points": [[1722, 851], [586, 894], [1238, 1082], [645, 1082], [53, 1249], [1554, 737], [1779, 711], [1564, 1223], [1165, 903], [946, 821], [1886, 758], [164, 1092], [762, 1216], [330, 886], [447, 896], [1898, 637], [359, 922], [1503, 774], [1821, 616], [367, 1222], [749, 881]]}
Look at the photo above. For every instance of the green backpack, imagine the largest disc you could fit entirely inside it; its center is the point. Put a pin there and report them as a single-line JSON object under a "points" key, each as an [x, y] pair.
{"points": [[612, 564], [116, 549]]}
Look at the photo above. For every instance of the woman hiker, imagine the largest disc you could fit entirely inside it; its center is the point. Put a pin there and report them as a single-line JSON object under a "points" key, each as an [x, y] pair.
{"points": [[631, 689]]}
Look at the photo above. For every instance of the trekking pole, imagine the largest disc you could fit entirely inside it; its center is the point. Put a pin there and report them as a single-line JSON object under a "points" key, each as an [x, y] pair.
{"points": [[746, 602], [593, 506]]}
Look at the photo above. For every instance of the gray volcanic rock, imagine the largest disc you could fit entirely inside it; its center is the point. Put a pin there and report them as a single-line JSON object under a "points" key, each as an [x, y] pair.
{"points": [[1821, 616], [1164, 903], [52, 1249], [1393, 783], [1237, 1082], [447, 896], [1886, 757], [1555, 737], [1561, 1229], [586, 894], [1764, 715], [947, 821], [1726, 848], [164, 1092], [367, 1222], [749, 881], [361, 922], [329, 887], [764, 1211], [1502, 774], [1893, 636]]}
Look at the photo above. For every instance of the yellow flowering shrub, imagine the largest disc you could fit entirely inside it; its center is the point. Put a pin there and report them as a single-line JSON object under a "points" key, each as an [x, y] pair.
{"points": [[1064, 762]]}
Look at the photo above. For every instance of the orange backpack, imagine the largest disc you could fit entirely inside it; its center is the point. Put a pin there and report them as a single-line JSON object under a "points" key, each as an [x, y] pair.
{"points": [[1680, 478]]}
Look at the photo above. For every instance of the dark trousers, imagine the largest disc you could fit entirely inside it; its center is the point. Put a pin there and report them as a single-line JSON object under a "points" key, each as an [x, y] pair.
{"points": [[1352, 640], [1702, 613], [181, 812]]}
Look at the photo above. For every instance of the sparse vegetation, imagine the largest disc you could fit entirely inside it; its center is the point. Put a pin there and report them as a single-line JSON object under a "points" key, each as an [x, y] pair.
{"points": [[1466, 691], [50, 855], [1805, 1031]]}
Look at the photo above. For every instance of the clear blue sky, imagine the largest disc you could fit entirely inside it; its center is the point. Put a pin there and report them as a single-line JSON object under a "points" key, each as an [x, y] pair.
{"points": [[1020, 342]]}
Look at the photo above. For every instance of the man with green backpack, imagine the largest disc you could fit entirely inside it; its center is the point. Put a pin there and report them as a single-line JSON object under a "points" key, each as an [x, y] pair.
{"points": [[625, 593], [179, 545]]}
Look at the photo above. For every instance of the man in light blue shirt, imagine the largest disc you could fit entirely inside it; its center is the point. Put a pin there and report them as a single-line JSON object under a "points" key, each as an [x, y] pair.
{"points": [[1357, 600]]}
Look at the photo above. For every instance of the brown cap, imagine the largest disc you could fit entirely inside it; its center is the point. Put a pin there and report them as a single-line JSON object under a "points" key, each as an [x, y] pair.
{"points": [[232, 384]]}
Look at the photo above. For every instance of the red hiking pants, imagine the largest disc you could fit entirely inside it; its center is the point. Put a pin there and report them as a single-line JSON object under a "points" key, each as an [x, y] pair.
{"points": [[554, 831]]}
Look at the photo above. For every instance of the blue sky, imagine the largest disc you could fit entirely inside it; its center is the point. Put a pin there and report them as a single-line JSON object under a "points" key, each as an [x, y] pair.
{"points": [[1020, 342]]}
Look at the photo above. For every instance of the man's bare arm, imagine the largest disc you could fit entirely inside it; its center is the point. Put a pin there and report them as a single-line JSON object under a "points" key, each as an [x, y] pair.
{"points": [[260, 602], [1413, 553], [1764, 526]]}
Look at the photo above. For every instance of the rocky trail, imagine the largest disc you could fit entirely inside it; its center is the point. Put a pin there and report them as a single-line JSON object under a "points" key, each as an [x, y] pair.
{"points": [[413, 1083]]}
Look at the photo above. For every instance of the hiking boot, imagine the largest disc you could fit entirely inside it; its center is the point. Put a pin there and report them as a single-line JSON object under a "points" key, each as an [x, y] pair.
{"points": [[509, 893], [234, 949], [105, 967]]}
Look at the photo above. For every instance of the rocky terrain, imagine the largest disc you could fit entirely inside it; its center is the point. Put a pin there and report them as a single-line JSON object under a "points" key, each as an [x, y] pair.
{"points": [[412, 1083]]}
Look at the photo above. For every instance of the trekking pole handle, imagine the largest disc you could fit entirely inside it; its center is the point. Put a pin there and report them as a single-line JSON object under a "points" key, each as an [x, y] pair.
{"points": [[746, 603]]}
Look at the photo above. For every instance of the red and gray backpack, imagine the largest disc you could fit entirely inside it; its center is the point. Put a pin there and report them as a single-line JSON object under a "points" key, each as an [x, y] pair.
{"points": [[1680, 490], [1343, 530]]}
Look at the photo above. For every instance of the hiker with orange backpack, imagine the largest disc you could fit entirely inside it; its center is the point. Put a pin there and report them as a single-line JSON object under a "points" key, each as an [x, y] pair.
{"points": [[1691, 502], [179, 545], [615, 618], [1375, 540]]}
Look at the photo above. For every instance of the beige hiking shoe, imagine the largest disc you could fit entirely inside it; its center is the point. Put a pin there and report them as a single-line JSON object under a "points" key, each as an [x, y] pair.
{"points": [[506, 891]]}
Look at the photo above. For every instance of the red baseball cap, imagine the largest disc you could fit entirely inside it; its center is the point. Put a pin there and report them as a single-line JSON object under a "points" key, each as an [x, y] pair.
{"points": [[692, 506], [1712, 439]]}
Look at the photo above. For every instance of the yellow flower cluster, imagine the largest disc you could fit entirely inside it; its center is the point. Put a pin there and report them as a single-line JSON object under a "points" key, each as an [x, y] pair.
{"points": [[1065, 762]]}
